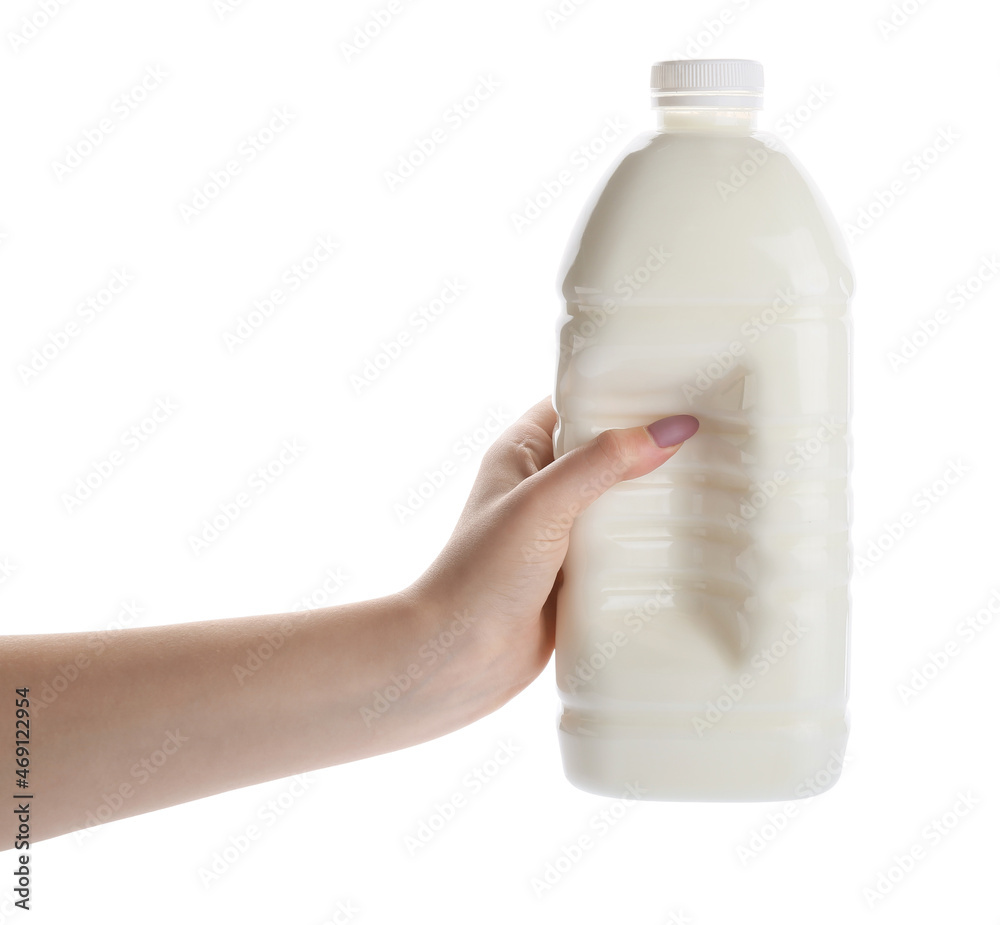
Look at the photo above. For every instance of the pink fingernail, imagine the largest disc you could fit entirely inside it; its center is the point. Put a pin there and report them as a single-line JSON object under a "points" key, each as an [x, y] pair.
{"points": [[673, 430]]}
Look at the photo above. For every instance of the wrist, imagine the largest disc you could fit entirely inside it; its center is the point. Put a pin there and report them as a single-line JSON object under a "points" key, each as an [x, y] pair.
{"points": [[448, 653], [470, 659]]}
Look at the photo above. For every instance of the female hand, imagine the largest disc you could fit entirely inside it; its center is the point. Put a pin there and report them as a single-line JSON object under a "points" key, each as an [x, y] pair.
{"points": [[500, 570], [227, 703]]}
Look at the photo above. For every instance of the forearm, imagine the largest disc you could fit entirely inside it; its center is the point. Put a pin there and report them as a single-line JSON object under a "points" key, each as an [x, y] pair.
{"points": [[163, 715]]}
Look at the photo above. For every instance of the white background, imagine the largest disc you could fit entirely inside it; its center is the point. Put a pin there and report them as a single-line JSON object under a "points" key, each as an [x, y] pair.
{"points": [[342, 842]]}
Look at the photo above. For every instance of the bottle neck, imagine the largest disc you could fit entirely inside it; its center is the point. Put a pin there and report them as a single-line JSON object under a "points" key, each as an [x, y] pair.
{"points": [[710, 121]]}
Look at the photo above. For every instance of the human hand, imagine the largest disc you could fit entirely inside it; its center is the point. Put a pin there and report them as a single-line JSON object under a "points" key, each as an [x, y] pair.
{"points": [[501, 565], [335, 684]]}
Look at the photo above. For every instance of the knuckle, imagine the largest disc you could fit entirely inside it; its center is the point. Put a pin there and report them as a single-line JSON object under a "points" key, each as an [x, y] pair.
{"points": [[611, 450], [519, 455]]}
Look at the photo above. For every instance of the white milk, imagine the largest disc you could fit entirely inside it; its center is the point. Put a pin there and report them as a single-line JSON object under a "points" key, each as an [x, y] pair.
{"points": [[702, 637]]}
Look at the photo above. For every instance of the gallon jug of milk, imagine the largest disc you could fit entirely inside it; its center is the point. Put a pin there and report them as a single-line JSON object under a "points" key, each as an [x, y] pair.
{"points": [[702, 622]]}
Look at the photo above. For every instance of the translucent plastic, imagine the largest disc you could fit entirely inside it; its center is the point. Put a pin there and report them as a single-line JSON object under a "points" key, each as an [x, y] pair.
{"points": [[702, 633]]}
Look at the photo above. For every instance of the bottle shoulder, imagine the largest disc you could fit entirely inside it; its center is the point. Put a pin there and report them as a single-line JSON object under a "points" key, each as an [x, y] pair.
{"points": [[739, 206]]}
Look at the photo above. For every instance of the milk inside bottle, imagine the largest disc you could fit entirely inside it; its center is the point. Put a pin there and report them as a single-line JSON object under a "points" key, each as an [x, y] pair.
{"points": [[702, 629]]}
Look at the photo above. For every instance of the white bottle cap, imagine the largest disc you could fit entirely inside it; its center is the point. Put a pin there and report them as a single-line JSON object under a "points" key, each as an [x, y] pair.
{"points": [[713, 83]]}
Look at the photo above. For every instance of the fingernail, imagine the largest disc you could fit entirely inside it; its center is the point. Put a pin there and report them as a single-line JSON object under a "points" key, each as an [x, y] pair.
{"points": [[673, 430]]}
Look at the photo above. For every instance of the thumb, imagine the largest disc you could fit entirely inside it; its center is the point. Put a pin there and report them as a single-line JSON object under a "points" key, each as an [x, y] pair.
{"points": [[572, 482]]}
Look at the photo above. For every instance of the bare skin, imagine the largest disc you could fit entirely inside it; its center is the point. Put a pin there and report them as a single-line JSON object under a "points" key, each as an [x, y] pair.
{"points": [[166, 714]]}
